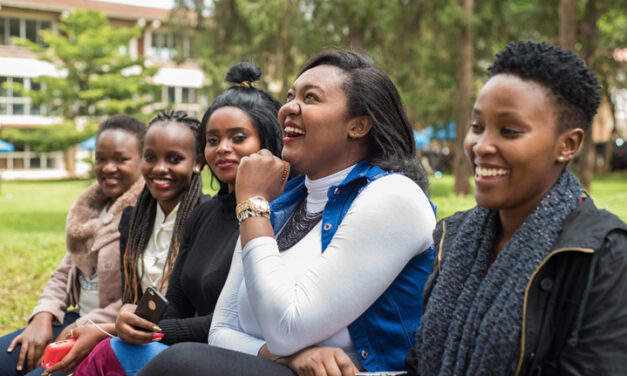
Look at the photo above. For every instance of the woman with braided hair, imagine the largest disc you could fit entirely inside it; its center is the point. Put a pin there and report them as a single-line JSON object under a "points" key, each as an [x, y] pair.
{"points": [[150, 232], [240, 121]]}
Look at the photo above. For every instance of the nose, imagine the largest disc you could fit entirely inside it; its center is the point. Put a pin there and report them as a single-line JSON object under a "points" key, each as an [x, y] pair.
{"points": [[109, 167], [290, 108], [483, 143], [160, 167], [224, 146]]}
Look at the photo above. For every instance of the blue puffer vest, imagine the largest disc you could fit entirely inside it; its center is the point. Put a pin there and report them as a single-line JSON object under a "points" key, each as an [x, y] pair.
{"points": [[383, 334]]}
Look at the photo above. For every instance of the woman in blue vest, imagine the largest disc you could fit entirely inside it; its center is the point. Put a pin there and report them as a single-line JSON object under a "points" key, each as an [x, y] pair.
{"points": [[328, 279]]}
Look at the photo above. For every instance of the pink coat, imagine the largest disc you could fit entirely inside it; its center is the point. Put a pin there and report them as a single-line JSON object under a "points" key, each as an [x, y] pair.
{"points": [[92, 246]]}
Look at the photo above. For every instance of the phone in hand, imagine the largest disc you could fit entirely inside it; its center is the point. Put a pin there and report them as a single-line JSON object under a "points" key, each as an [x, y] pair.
{"points": [[56, 351], [151, 305]]}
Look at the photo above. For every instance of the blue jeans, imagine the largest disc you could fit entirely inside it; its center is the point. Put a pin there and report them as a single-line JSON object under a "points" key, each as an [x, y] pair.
{"points": [[8, 361]]}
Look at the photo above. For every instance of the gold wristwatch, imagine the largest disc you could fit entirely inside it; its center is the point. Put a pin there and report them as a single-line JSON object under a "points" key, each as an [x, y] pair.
{"points": [[256, 206]]}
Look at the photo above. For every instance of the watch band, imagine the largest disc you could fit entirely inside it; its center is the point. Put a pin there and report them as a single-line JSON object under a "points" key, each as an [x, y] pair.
{"points": [[248, 213], [256, 203]]}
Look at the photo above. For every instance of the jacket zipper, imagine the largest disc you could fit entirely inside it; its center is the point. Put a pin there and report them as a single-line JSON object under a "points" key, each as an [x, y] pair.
{"points": [[524, 313]]}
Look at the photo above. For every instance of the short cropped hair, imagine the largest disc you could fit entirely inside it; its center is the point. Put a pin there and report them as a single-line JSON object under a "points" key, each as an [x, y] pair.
{"points": [[572, 86]]}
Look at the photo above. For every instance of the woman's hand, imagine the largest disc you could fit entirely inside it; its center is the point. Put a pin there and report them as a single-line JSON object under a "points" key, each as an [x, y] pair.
{"points": [[34, 339], [260, 174], [132, 328], [320, 361], [87, 337]]}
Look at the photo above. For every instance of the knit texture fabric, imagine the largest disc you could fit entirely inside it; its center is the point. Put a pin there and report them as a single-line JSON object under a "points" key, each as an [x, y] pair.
{"points": [[472, 322]]}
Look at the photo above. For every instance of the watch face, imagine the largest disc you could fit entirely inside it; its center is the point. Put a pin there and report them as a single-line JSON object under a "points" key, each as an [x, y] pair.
{"points": [[259, 204]]}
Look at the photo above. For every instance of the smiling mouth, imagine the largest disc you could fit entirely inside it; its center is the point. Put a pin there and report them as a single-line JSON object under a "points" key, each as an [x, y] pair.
{"points": [[291, 131], [490, 172], [161, 183], [110, 181], [225, 163]]}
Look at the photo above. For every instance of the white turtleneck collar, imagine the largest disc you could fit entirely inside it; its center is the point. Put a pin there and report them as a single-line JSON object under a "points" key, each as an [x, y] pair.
{"points": [[317, 189]]}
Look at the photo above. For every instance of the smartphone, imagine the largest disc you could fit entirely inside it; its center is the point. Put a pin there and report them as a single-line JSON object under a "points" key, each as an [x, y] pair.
{"points": [[56, 351], [151, 305]]}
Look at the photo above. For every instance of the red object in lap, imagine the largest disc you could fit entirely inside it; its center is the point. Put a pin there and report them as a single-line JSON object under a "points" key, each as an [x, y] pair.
{"points": [[56, 351]]}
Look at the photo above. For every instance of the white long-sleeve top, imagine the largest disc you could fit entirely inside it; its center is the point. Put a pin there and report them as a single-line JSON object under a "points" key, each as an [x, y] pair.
{"points": [[302, 297]]}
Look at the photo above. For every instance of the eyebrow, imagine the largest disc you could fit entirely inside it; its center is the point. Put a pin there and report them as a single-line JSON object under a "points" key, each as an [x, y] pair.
{"points": [[309, 86], [230, 130]]}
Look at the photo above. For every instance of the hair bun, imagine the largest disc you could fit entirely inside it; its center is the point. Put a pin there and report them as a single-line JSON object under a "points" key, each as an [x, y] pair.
{"points": [[243, 72]]}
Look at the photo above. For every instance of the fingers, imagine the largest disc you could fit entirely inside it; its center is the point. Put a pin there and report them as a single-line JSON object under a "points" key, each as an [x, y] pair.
{"points": [[344, 364], [16, 341], [134, 329], [22, 357], [32, 357]]}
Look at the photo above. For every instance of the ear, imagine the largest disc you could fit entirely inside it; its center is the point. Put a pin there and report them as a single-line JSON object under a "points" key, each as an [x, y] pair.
{"points": [[568, 145], [197, 164], [359, 127]]}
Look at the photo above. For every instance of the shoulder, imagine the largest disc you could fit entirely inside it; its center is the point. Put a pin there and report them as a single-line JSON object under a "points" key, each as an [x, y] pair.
{"points": [[590, 227], [394, 187], [396, 201], [209, 205]]}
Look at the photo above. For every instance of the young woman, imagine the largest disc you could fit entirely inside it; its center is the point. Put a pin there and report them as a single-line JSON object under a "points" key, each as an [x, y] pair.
{"points": [[533, 280], [337, 273], [241, 120], [151, 230], [89, 275]]}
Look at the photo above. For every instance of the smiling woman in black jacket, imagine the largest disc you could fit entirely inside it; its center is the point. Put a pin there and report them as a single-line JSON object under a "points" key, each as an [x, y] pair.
{"points": [[533, 280]]}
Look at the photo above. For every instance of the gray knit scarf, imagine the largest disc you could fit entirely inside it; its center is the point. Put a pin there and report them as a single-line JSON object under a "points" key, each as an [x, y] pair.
{"points": [[472, 322]]}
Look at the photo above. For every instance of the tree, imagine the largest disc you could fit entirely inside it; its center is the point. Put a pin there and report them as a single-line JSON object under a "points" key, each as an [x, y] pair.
{"points": [[464, 95], [96, 77]]}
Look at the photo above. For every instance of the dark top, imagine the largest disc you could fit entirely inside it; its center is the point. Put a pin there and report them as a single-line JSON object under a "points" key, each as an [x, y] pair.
{"points": [[200, 270], [575, 318]]}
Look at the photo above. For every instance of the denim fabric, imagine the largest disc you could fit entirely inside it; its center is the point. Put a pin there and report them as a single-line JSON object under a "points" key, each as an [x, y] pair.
{"points": [[384, 333], [8, 361]]}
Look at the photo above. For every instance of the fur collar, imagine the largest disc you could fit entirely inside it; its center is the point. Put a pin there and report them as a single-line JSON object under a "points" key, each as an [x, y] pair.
{"points": [[86, 233]]}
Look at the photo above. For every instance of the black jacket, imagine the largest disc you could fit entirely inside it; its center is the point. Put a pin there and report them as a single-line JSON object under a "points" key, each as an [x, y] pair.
{"points": [[575, 309]]}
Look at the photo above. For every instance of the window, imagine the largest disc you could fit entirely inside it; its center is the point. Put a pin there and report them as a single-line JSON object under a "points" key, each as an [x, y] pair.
{"points": [[188, 95], [177, 94], [13, 102], [162, 46], [22, 28]]}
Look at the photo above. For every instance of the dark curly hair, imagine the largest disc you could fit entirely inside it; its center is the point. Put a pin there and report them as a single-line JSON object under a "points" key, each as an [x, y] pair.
{"points": [[370, 92], [258, 104], [126, 123], [572, 86]]}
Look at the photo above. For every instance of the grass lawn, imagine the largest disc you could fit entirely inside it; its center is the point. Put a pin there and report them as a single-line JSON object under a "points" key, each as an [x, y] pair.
{"points": [[32, 240]]}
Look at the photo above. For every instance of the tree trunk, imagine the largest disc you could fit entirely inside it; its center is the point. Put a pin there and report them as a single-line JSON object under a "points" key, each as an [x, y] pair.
{"points": [[461, 169], [568, 24], [590, 32], [69, 158], [608, 151]]}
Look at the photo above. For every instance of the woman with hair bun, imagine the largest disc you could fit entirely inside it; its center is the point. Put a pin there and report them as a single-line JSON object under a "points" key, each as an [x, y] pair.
{"points": [[328, 278], [240, 121]]}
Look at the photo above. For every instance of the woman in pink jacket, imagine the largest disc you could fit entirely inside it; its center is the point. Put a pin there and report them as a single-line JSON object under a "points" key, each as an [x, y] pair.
{"points": [[87, 284]]}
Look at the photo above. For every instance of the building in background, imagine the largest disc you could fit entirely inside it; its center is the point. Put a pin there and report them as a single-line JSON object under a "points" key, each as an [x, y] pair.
{"points": [[181, 83]]}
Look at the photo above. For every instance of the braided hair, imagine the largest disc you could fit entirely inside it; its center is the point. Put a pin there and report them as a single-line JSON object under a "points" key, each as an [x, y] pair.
{"points": [[143, 216]]}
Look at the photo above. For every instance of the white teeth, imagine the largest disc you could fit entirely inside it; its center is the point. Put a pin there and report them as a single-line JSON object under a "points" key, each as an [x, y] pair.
{"points": [[483, 171], [293, 130], [160, 181]]}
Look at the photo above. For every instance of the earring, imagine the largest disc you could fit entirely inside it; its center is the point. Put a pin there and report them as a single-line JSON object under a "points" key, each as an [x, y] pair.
{"points": [[196, 170], [560, 158]]}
